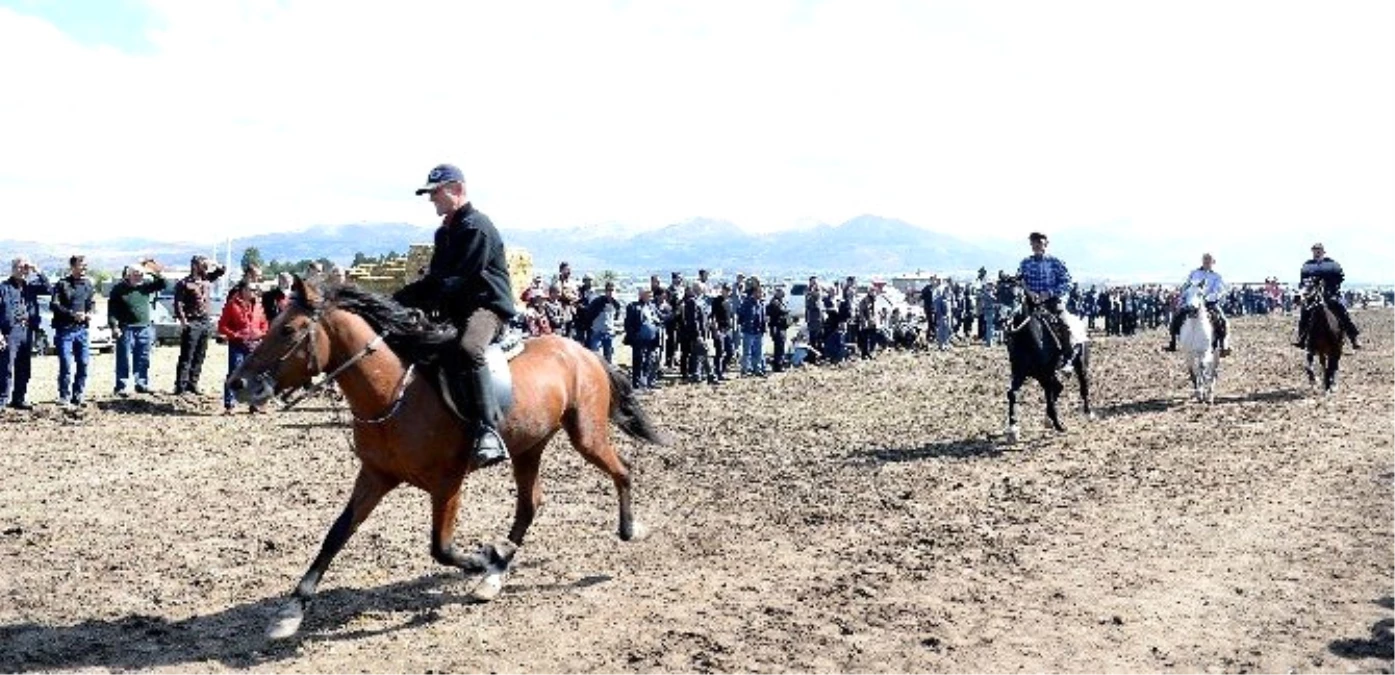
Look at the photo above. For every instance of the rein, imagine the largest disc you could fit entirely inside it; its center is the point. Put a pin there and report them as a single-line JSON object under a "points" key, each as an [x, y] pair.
{"points": [[302, 393]]}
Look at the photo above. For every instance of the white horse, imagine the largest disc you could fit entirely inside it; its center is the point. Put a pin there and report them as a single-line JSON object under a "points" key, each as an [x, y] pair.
{"points": [[1195, 341]]}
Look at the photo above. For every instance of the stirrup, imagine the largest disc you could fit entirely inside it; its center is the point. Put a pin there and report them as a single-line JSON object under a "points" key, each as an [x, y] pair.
{"points": [[489, 448]]}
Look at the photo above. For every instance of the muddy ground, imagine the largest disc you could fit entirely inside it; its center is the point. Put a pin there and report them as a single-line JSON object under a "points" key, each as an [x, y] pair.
{"points": [[861, 518]]}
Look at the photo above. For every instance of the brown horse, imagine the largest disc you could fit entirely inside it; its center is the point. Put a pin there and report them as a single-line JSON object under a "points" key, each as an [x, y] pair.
{"points": [[1324, 337], [403, 433]]}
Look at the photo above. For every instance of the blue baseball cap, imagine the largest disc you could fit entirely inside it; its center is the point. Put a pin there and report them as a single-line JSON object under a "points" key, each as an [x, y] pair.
{"points": [[442, 174]]}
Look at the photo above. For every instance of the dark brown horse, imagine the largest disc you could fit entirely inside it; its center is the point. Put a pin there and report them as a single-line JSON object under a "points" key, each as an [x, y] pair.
{"points": [[1324, 337], [403, 433]]}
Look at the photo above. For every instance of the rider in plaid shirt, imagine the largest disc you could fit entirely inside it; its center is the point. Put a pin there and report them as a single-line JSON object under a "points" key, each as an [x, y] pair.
{"points": [[1047, 282]]}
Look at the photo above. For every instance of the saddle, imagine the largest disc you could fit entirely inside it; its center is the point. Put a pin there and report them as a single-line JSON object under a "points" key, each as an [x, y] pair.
{"points": [[496, 357]]}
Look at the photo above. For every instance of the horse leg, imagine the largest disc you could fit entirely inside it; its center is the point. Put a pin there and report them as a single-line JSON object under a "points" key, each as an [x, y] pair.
{"points": [[1012, 430], [369, 488], [1053, 388], [1082, 365], [526, 475], [1330, 371], [591, 438], [493, 560], [1308, 366]]}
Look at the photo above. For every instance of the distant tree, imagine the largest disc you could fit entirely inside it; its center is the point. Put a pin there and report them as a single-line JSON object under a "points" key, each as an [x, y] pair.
{"points": [[609, 275], [252, 258], [361, 259]]}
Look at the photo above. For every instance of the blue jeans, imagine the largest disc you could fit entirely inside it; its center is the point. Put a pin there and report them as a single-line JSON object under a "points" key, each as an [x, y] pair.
{"points": [[237, 353], [133, 350], [14, 366], [71, 343], [752, 353], [601, 342]]}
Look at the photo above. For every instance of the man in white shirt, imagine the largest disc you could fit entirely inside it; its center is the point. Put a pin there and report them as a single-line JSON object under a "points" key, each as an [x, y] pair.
{"points": [[1212, 288]]}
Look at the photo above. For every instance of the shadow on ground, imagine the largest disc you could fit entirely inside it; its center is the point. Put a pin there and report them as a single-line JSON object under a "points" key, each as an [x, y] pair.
{"points": [[1380, 645], [1276, 396], [234, 637], [957, 449]]}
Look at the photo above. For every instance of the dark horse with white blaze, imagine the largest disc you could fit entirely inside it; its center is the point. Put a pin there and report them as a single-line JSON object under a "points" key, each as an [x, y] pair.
{"points": [[403, 433], [1035, 351]]}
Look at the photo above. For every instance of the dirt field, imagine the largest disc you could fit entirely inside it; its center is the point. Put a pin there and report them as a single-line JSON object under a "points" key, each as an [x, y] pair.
{"points": [[863, 518]]}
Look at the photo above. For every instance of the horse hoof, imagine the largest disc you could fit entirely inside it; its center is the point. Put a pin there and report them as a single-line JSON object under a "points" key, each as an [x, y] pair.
{"points": [[286, 622], [1012, 434], [489, 587], [638, 532]]}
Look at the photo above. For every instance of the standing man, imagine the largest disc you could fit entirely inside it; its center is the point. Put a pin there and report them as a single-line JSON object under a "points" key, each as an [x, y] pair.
{"points": [[467, 283], [602, 312], [643, 326], [813, 312], [777, 312], [128, 313], [18, 322], [1329, 272], [191, 309], [1212, 288], [243, 324], [74, 300], [751, 320], [1047, 282]]}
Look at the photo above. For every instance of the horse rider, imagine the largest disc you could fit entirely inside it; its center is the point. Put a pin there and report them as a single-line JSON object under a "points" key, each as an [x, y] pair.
{"points": [[466, 283], [1047, 282], [1330, 273], [1212, 289]]}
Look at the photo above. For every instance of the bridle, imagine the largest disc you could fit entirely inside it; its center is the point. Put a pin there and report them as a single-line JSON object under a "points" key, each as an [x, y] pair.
{"points": [[293, 396]]}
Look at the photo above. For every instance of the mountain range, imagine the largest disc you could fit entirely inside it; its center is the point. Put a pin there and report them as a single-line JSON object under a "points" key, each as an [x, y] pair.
{"points": [[867, 245]]}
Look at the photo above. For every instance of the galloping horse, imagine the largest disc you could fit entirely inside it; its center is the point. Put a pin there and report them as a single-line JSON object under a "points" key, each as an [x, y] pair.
{"points": [[1034, 351], [1196, 340], [1324, 337], [403, 432]]}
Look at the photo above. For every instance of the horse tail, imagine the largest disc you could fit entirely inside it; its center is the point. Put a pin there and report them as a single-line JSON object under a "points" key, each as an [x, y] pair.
{"points": [[625, 411]]}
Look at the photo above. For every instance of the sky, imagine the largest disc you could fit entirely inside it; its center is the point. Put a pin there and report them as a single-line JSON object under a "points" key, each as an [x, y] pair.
{"points": [[195, 121]]}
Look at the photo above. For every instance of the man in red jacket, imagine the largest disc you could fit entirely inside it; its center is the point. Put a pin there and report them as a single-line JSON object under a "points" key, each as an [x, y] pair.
{"points": [[243, 324]]}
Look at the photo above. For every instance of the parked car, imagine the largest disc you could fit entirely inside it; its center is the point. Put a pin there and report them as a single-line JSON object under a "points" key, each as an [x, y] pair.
{"points": [[99, 337], [167, 329], [163, 323]]}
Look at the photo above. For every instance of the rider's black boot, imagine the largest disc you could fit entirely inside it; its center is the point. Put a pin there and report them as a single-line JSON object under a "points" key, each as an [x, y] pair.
{"points": [[489, 445]]}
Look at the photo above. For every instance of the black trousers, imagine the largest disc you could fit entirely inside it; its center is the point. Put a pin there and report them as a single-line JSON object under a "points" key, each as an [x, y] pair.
{"points": [[193, 346]]}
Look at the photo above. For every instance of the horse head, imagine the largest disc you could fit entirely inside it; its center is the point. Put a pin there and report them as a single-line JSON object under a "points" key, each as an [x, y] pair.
{"points": [[1192, 301], [293, 352], [1314, 292]]}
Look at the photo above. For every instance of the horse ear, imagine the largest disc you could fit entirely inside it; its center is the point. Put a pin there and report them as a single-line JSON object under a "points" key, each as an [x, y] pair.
{"points": [[308, 292]]}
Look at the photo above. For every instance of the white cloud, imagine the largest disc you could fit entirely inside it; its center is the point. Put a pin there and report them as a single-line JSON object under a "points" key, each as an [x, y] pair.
{"points": [[980, 119]]}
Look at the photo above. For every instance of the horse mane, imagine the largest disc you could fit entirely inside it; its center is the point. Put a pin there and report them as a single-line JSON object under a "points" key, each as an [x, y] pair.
{"points": [[411, 334]]}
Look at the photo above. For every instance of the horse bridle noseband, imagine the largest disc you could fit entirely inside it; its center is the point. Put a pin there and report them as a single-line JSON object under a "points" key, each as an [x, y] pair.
{"points": [[291, 397]]}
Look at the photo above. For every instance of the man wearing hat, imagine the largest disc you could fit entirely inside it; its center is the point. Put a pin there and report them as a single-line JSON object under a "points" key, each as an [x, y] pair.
{"points": [[1323, 268], [1047, 282], [466, 283], [1212, 288]]}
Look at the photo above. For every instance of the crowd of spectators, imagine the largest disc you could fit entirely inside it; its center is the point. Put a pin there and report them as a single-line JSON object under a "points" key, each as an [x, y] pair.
{"points": [[692, 330]]}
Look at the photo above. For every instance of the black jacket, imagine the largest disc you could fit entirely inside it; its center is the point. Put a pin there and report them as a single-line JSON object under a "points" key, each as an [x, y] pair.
{"points": [[468, 271], [71, 296], [1325, 269]]}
